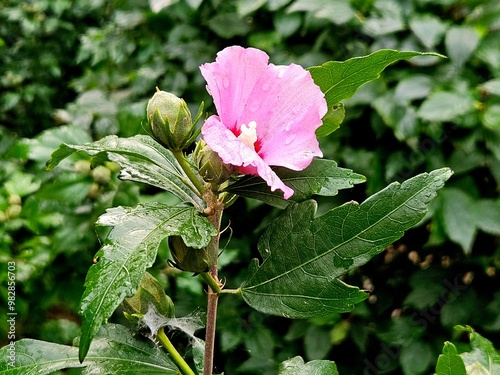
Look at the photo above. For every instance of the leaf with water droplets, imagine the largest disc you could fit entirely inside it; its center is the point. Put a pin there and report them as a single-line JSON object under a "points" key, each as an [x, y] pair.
{"points": [[129, 249], [322, 177], [115, 350], [296, 366], [303, 255], [141, 159]]}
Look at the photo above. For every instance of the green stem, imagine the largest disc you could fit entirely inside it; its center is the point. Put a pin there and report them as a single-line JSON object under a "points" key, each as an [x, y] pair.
{"points": [[174, 354], [230, 291], [179, 156], [212, 283]]}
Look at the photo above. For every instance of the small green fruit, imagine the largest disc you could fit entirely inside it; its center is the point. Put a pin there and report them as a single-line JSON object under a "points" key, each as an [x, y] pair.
{"points": [[101, 175]]}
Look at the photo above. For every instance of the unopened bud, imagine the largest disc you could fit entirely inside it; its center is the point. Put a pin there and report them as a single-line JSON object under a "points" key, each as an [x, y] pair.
{"points": [[170, 120], [188, 258], [210, 165]]}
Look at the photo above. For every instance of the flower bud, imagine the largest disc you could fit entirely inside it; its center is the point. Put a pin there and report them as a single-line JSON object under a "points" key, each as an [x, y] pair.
{"points": [[188, 258], [170, 120], [149, 300], [210, 165]]}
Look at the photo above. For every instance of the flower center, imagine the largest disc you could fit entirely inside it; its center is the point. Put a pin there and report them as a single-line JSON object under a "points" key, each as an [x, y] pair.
{"points": [[248, 134]]}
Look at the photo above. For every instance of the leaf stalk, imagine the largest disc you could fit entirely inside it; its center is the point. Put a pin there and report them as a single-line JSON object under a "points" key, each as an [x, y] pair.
{"points": [[179, 156], [174, 354]]}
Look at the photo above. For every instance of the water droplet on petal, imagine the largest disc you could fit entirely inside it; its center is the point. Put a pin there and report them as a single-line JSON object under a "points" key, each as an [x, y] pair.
{"points": [[254, 106], [289, 139], [288, 126], [266, 86], [281, 73]]}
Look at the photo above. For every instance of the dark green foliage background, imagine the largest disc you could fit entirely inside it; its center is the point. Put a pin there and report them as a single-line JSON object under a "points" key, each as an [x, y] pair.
{"points": [[77, 71]]}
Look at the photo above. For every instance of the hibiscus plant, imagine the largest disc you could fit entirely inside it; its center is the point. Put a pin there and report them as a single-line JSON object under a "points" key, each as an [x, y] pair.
{"points": [[261, 145]]}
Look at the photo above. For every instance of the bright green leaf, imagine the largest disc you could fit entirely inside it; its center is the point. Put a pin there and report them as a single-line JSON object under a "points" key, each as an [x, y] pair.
{"points": [[130, 248], [303, 256], [322, 177], [141, 159], [115, 350], [332, 120], [450, 363], [296, 366], [340, 80]]}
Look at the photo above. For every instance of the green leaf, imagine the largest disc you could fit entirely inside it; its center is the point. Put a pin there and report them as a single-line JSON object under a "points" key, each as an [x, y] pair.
{"points": [[491, 117], [228, 25], [488, 216], [416, 86], [296, 366], [21, 184], [322, 177], [303, 256], [244, 8], [340, 80], [130, 248], [46, 142], [116, 350], [142, 159], [332, 120], [483, 357], [387, 17], [491, 87], [428, 29], [458, 218], [336, 11], [450, 363], [416, 357], [445, 106], [460, 42]]}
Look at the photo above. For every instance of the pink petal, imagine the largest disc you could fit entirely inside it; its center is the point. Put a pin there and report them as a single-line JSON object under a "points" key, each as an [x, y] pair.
{"points": [[234, 152], [231, 80], [284, 102], [290, 107]]}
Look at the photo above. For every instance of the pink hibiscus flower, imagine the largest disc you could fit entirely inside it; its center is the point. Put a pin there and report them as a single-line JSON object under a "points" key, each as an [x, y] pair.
{"points": [[267, 114]]}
